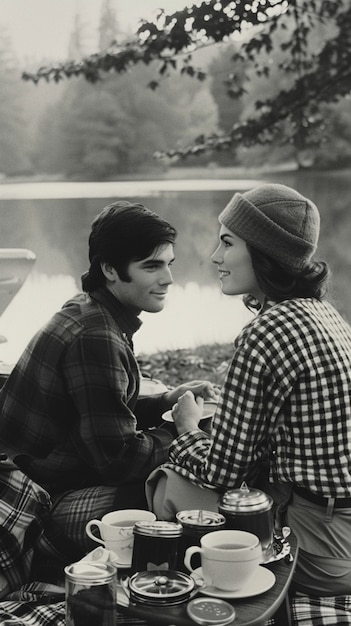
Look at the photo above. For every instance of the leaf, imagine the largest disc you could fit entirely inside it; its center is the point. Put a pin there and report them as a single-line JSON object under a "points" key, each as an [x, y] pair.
{"points": [[153, 85]]}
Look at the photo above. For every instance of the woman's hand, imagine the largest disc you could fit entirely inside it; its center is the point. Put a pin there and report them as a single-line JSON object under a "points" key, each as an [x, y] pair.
{"points": [[187, 412], [203, 388]]}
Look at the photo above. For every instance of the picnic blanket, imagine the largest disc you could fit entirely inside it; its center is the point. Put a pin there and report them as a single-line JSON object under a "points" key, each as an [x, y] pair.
{"points": [[23, 507], [35, 611], [26, 533]]}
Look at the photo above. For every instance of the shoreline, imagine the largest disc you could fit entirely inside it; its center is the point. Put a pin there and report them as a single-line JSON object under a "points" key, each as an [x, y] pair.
{"points": [[210, 172]]}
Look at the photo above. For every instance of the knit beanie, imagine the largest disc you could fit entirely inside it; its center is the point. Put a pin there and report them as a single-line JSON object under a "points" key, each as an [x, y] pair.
{"points": [[277, 220]]}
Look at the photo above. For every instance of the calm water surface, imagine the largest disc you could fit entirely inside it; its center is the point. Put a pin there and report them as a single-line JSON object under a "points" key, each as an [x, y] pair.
{"points": [[57, 230]]}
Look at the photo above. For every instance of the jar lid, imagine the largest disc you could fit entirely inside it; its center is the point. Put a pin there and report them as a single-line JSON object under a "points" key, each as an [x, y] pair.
{"points": [[245, 500], [200, 518], [210, 611], [90, 571], [158, 529], [161, 587]]}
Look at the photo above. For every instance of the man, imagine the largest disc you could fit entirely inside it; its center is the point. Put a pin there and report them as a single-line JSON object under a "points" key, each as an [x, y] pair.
{"points": [[71, 418]]}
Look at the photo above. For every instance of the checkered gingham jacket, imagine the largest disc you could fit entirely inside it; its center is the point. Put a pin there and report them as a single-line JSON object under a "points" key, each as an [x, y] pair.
{"points": [[286, 397]]}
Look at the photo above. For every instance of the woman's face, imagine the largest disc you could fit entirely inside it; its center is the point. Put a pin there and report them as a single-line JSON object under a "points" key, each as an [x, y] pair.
{"points": [[234, 265]]}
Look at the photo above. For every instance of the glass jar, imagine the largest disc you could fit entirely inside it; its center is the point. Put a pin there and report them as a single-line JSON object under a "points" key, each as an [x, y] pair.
{"points": [[90, 590]]}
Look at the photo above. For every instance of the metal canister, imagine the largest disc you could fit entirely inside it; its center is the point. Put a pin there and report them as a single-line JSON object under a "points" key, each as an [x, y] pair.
{"points": [[161, 587], [196, 523], [156, 546], [249, 509]]}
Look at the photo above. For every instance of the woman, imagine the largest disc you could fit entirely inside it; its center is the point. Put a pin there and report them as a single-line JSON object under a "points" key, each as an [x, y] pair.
{"points": [[285, 402]]}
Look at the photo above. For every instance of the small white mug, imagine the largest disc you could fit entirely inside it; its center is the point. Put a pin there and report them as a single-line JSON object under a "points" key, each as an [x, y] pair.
{"points": [[116, 531], [228, 558]]}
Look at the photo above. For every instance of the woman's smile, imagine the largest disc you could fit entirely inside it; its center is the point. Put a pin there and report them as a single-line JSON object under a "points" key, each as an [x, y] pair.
{"points": [[232, 253]]}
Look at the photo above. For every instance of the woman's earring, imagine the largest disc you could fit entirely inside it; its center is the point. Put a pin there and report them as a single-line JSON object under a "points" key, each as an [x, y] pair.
{"points": [[252, 303]]}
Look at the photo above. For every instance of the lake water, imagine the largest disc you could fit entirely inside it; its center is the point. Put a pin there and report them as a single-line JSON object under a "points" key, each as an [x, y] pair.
{"points": [[53, 220]]}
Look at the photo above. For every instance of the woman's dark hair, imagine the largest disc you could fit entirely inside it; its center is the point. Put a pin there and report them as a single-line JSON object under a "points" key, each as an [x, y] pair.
{"points": [[280, 283], [121, 233]]}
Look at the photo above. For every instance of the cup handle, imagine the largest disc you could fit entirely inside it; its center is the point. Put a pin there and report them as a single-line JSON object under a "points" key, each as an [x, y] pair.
{"points": [[94, 522], [188, 554]]}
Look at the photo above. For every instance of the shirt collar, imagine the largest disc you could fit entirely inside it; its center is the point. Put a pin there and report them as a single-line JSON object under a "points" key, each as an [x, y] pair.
{"points": [[128, 321], [267, 304]]}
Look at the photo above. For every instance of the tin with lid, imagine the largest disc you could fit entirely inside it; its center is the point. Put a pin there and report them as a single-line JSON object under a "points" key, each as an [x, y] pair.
{"points": [[249, 509], [196, 523], [161, 587], [211, 611], [156, 545]]}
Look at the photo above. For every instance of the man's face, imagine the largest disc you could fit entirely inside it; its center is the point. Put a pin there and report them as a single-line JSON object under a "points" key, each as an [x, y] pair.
{"points": [[149, 281]]}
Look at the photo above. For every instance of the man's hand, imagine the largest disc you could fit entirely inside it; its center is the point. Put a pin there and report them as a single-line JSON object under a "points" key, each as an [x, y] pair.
{"points": [[203, 388]]}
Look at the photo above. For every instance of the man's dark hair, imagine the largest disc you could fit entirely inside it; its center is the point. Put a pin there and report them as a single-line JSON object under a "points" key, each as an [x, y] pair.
{"points": [[121, 233]]}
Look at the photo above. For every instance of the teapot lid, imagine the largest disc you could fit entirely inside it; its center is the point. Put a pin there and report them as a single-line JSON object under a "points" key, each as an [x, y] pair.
{"points": [[199, 518], [161, 586], [158, 528], [245, 500]]}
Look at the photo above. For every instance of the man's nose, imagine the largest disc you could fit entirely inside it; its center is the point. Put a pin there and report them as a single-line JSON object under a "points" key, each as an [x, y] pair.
{"points": [[166, 277]]}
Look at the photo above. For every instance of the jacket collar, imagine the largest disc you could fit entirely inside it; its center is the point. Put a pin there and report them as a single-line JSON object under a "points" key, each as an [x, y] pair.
{"points": [[127, 320], [267, 304]]}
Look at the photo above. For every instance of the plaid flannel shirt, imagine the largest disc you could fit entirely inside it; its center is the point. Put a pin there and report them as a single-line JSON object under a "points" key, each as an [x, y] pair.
{"points": [[286, 395], [69, 411]]}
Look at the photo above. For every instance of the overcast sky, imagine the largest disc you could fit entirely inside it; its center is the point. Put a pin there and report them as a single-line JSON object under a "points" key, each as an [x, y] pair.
{"points": [[40, 29]]}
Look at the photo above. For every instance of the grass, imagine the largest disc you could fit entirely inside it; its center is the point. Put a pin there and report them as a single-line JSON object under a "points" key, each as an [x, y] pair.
{"points": [[174, 367]]}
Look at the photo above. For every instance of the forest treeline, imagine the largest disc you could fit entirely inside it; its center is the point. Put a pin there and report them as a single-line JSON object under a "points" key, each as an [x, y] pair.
{"points": [[78, 130]]}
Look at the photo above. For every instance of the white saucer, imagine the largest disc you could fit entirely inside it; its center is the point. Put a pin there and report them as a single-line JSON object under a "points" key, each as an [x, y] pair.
{"points": [[167, 416], [261, 580], [208, 411]]}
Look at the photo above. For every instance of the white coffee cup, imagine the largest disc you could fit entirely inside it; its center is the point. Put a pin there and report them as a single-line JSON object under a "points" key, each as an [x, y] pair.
{"points": [[228, 558], [116, 530]]}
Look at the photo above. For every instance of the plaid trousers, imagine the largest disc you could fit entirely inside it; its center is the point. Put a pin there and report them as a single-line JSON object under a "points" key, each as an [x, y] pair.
{"points": [[72, 510]]}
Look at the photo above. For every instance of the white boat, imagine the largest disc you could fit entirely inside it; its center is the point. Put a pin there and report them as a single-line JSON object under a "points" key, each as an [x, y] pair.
{"points": [[15, 265]]}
